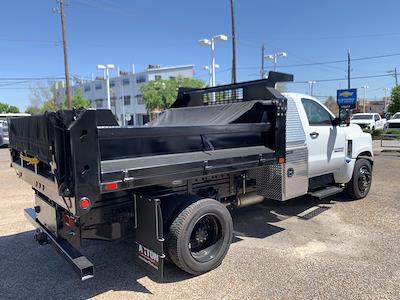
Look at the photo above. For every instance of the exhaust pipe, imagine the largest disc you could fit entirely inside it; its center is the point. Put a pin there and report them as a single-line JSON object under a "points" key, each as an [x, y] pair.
{"points": [[244, 200]]}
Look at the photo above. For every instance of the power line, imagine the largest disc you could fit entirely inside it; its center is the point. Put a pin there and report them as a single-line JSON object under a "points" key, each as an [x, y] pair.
{"points": [[340, 61], [332, 37], [30, 78], [339, 79]]}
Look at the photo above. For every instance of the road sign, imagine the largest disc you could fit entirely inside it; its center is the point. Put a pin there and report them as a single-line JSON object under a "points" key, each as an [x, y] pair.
{"points": [[347, 98]]}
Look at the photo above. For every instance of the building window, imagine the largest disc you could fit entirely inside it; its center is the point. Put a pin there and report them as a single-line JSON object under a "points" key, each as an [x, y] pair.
{"points": [[157, 77], [99, 103], [127, 100], [140, 79], [98, 85], [125, 81], [113, 100], [112, 83], [139, 99], [131, 120], [86, 88], [142, 119]]}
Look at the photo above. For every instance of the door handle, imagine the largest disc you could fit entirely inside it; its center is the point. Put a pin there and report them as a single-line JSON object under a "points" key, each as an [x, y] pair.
{"points": [[314, 135]]}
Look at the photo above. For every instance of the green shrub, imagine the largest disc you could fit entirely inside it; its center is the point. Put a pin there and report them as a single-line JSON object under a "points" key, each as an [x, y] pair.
{"points": [[393, 131], [367, 130], [377, 132]]}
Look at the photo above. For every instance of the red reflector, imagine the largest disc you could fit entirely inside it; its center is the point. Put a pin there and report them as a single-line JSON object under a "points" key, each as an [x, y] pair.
{"points": [[111, 186], [69, 221], [84, 203]]}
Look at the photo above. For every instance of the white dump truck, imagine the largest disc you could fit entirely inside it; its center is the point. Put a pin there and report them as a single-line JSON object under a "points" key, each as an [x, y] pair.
{"points": [[173, 182]]}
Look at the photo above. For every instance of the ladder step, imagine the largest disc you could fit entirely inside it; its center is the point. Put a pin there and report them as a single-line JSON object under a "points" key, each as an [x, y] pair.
{"points": [[326, 192]]}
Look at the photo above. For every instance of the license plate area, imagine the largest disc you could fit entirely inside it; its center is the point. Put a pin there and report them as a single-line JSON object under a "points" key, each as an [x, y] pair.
{"points": [[46, 214]]}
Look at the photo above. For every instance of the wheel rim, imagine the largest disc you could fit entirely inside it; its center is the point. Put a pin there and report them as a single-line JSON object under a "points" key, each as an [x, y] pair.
{"points": [[206, 238], [364, 179]]}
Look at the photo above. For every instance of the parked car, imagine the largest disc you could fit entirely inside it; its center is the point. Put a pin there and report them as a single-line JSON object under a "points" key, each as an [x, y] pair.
{"points": [[394, 122], [371, 121], [3, 133]]}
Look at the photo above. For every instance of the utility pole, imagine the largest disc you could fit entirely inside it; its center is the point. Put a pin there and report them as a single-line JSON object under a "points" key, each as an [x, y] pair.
{"points": [[385, 99], [365, 87], [348, 69], [311, 87], [64, 38], [394, 74], [233, 43], [262, 72]]}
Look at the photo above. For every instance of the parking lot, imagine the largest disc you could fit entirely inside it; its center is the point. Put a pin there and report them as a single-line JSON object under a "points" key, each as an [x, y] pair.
{"points": [[302, 249]]}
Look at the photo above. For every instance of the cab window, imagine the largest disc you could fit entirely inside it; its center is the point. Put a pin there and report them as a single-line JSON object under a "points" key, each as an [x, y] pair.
{"points": [[317, 115], [376, 118]]}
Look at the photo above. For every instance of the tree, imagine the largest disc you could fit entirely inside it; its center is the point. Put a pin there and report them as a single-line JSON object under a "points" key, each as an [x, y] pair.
{"points": [[331, 104], [32, 110], [281, 87], [13, 109], [394, 106], [79, 100], [43, 97], [6, 108], [3, 107], [160, 94]]}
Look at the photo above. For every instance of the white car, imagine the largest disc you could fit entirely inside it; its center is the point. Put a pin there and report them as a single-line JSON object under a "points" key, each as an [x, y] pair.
{"points": [[371, 121], [394, 122], [3, 133]]}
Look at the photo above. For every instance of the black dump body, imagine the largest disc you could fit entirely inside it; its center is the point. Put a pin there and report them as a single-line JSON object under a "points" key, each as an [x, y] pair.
{"points": [[207, 131]]}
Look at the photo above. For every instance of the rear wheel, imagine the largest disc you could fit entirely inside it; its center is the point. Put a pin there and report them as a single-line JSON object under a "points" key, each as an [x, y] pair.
{"points": [[200, 236], [360, 184]]}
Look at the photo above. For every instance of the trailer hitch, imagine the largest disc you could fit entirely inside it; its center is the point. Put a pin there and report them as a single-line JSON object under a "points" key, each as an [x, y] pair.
{"points": [[43, 236]]}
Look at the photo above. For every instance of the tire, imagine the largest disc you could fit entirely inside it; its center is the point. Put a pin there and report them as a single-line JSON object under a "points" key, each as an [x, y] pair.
{"points": [[360, 184], [373, 128], [200, 236]]}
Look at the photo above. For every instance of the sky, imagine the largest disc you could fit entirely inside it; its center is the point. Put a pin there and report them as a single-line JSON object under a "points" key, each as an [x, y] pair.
{"points": [[126, 32]]}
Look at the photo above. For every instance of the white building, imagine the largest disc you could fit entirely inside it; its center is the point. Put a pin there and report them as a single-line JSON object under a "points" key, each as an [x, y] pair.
{"points": [[126, 99]]}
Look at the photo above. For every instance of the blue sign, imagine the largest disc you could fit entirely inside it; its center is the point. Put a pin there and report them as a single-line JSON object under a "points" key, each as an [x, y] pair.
{"points": [[347, 98]]}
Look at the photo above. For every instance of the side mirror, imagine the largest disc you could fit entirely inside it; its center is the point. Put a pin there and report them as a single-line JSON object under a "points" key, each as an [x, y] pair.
{"points": [[336, 122], [344, 116]]}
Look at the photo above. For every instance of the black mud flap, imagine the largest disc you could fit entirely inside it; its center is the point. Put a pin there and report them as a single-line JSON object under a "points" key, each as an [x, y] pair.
{"points": [[149, 234]]}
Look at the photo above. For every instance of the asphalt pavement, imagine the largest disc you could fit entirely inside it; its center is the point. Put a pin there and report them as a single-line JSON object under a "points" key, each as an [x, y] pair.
{"points": [[301, 249]]}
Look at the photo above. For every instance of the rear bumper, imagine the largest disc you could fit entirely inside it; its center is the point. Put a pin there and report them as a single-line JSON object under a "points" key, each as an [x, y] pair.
{"points": [[80, 263]]}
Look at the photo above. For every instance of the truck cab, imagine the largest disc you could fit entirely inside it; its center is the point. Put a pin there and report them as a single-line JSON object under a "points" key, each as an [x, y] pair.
{"points": [[332, 149], [370, 121]]}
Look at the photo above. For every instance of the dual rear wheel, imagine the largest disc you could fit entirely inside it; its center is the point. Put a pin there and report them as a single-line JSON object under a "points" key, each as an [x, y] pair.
{"points": [[200, 236]]}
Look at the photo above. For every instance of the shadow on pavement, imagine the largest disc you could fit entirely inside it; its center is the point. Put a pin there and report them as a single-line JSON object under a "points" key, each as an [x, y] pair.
{"points": [[255, 221], [30, 270]]}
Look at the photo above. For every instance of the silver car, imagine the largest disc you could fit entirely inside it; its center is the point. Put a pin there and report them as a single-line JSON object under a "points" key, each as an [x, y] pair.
{"points": [[3, 133]]}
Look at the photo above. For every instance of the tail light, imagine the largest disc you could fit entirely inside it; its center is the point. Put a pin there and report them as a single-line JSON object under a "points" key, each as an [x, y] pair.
{"points": [[84, 203]]}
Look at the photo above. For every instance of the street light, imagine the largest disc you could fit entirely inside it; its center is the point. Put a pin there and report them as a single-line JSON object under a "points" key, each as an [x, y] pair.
{"points": [[311, 86], [274, 57], [207, 68], [211, 42], [364, 87], [385, 99], [106, 73]]}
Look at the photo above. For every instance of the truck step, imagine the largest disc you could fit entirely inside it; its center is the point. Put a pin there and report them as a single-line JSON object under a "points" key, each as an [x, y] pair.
{"points": [[326, 192]]}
